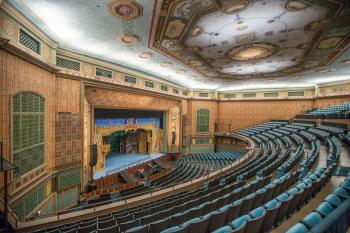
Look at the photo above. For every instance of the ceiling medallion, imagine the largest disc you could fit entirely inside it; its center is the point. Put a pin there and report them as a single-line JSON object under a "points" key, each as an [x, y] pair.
{"points": [[242, 28], [295, 5], [252, 52], [237, 7], [197, 31], [314, 26], [146, 55], [195, 62], [125, 9], [196, 49], [325, 70], [166, 64], [129, 38], [347, 62], [181, 71], [245, 38]]}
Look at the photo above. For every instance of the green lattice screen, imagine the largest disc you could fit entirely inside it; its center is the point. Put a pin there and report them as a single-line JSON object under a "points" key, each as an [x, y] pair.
{"points": [[69, 179], [28, 132], [202, 140], [26, 205], [202, 120]]}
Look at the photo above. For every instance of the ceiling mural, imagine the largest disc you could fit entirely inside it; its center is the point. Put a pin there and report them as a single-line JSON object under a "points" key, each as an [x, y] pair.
{"points": [[240, 39], [206, 44], [116, 31]]}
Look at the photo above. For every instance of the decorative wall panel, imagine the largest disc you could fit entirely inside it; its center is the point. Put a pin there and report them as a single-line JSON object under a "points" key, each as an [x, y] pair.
{"points": [[335, 90], [69, 179], [212, 106], [248, 113], [27, 204], [68, 139], [67, 199], [68, 90]]}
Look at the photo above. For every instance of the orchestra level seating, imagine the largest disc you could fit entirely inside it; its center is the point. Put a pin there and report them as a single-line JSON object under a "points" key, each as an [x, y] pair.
{"points": [[293, 164]]}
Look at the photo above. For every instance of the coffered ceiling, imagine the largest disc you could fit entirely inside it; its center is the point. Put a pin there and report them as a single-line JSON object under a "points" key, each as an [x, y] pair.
{"points": [[207, 44]]}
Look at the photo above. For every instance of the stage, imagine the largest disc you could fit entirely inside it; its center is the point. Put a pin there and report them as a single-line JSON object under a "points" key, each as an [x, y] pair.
{"points": [[116, 162]]}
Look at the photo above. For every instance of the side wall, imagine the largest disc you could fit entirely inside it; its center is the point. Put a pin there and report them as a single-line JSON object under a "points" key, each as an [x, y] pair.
{"points": [[61, 95], [193, 141], [244, 114]]}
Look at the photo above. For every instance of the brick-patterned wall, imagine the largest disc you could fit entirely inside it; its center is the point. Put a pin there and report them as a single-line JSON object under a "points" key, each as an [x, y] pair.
{"points": [[69, 90], [248, 113], [18, 75], [60, 94], [324, 102], [68, 140]]}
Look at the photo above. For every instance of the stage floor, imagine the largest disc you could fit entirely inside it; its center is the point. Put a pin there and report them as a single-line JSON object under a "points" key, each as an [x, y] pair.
{"points": [[119, 161]]}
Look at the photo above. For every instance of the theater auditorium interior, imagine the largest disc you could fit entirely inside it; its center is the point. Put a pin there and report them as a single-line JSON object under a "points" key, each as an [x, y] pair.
{"points": [[164, 116]]}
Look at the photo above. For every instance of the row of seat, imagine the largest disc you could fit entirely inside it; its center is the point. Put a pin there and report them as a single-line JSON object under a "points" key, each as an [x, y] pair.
{"points": [[305, 124], [196, 165], [341, 111], [124, 214], [142, 228], [332, 129], [311, 158], [216, 219], [189, 210], [274, 212], [183, 171], [292, 161], [334, 150], [330, 204]]}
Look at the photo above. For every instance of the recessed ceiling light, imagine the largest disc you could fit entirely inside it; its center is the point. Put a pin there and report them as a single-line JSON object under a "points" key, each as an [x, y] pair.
{"points": [[145, 55], [325, 70], [347, 62], [129, 38], [166, 63]]}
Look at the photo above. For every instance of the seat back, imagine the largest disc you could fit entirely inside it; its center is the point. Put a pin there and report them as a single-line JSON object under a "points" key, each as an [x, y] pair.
{"points": [[200, 226], [217, 220], [159, 225]]}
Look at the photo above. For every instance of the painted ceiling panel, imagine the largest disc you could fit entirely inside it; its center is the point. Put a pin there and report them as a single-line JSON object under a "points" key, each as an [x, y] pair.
{"points": [[206, 44]]}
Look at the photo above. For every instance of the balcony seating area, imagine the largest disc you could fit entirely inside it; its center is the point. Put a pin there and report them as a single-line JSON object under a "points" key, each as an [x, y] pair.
{"points": [[341, 111], [257, 196], [332, 130]]}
